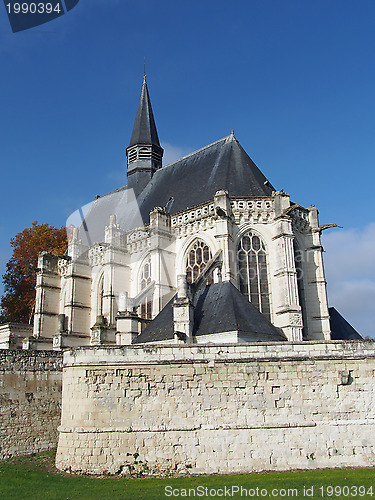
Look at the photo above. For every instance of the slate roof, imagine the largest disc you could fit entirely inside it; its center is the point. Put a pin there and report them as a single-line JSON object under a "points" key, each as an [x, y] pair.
{"points": [[144, 130], [188, 182], [340, 328], [194, 179], [218, 308]]}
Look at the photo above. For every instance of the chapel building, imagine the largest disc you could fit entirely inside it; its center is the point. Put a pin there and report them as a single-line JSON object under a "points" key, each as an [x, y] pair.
{"points": [[202, 250]]}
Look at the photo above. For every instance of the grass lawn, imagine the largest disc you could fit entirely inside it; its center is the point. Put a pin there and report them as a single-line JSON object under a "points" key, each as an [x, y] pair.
{"points": [[34, 477]]}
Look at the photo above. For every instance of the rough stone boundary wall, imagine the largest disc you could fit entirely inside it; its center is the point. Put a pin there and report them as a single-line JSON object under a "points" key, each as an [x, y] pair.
{"points": [[30, 401], [218, 408]]}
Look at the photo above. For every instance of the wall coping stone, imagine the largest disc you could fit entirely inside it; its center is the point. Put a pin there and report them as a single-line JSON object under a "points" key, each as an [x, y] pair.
{"points": [[215, 353]]}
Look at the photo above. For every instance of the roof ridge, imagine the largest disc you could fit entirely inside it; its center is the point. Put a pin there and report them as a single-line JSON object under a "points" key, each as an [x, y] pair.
{"points": [[230, 136], [111, 192]]}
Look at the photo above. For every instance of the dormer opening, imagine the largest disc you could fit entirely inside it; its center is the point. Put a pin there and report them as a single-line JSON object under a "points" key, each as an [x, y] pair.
{"points": [[144, 153]]}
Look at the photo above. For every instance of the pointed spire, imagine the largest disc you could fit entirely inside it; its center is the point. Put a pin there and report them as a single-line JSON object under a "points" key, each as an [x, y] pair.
{"points": [[144, 130], [144, 153]]}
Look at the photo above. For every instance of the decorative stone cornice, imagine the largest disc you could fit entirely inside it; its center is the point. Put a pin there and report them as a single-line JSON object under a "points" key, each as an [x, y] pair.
{"points": [[96, 254], [253, 210], [63, 265], [138, 240], [188, 217], [244, 210]]}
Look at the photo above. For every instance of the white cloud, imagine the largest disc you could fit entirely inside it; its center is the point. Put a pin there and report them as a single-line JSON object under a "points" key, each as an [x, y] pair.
{"points": [[352, 251], [350, 271]]}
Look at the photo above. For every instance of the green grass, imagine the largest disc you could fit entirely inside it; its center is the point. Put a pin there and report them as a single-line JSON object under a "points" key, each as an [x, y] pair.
{"points": [[34, 477]]}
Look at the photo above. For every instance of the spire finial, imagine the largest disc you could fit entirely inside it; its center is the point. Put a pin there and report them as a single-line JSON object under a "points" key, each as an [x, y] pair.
{"points": [[144, 69]]}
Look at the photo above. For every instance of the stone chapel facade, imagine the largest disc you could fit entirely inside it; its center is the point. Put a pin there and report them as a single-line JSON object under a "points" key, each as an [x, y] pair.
{"points": [[202, 250], [192, 310]]}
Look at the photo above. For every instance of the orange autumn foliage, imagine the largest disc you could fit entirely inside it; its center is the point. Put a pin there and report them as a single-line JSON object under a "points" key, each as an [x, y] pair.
{"points": [[17, 303]]}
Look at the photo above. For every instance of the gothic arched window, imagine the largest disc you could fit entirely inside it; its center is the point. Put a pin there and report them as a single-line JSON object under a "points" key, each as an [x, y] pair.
{"points": [[298, 260], [252, 270], [145, 279], [196, 260]]}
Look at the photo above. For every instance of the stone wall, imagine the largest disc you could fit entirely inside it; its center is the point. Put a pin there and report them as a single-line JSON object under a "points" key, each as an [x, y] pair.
{"points": [[218, 408], [30, 401]]}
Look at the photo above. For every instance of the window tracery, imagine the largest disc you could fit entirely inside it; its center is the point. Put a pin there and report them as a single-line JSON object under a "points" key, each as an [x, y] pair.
{"points": [[197, 258], [145, 280], [298, 260], [253, 273]]}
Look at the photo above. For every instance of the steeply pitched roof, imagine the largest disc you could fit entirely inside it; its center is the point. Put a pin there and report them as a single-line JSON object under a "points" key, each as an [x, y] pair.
{"points": [[219, 308], [188, 182], [194, 179], [340, 328], [144, 130]]}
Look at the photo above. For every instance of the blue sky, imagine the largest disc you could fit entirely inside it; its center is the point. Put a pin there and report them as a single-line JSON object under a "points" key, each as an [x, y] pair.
{"points": [[294, 79]]}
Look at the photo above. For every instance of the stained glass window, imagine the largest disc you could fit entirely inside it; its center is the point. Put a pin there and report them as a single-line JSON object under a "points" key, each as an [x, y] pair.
{"points": [[197, 258], [253, 274], [145, 279], [298, 259]]}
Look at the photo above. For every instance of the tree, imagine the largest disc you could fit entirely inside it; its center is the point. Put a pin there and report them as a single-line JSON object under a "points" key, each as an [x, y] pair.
{"points": [[17, 303]]}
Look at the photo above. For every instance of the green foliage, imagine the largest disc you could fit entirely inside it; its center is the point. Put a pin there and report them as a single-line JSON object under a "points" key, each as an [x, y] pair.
{"points": [[35, 478], [17, 303]]}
